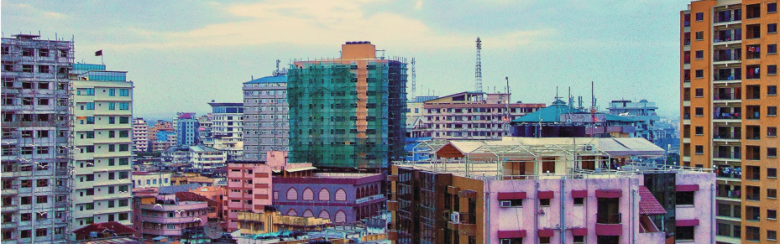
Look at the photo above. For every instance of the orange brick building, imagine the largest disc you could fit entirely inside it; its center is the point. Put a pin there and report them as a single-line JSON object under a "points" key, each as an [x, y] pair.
{"points": [[728, 84]]}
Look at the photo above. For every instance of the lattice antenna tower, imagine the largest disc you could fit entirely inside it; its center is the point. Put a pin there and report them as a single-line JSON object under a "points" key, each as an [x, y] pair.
{"points": [[414, 80], [478, 68]]}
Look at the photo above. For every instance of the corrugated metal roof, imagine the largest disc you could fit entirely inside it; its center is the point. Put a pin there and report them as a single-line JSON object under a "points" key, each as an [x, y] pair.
{"points": [[648, 205], [269, 79], [177, 188], [553, 113]]}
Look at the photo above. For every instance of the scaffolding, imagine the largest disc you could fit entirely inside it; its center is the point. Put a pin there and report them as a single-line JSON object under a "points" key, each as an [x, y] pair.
{"points": [[347, 114], [35, 156]]}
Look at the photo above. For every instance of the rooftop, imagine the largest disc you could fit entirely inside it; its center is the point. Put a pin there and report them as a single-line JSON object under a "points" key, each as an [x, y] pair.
{"points": [[269, 79]]}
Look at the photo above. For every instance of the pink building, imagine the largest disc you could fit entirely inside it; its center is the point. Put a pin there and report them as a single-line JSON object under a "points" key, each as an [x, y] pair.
{"points": [[249, 185], [551, 190], [164, 215]]}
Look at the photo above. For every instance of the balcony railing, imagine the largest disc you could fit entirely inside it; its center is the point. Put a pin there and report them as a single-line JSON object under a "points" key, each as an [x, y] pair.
{"points": [[727, 136], [727, 38], [727, 155], [727, 96], [727, 116]]}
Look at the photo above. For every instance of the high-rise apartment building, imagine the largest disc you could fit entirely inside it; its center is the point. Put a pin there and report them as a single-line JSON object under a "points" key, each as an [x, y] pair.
{"points": [[101, 108], [471, 116], [728, 87], [266, 126], [140, 135], [35, 129], [348, 113], [227, 125], [643, 112], [186, 127]]}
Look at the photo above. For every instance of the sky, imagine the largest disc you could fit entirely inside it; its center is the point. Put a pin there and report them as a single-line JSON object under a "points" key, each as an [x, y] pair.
{"points": [[181, 54]]}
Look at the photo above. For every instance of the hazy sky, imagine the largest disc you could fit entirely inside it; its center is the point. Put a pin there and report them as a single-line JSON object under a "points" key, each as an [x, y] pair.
{"points": [[183, 54]]}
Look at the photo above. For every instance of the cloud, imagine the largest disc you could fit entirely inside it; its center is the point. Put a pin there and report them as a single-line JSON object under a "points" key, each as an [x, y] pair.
{"points": [[418, 5], [28, 10], [313, 22]]}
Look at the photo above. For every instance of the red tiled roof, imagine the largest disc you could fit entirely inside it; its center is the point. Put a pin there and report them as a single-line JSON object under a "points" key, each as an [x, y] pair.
{"points": [[648, 205], [118, 228]]}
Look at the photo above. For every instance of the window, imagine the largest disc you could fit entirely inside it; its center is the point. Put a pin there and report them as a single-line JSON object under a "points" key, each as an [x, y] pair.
{"points": [[685, 233], [123, 161], [699, 54], [771, 69], [111, 120], [112, 92], [771, 173], [771, 152], [122, 216], [111, 106], [752, 233], [111, 147], [544, 240], [122, 175], [124, 120], [771, 111], [771, 49], [699, 73], [699, 149], [123, 202], [111, 204], [771, 28], [771, 90], [579, 200], [90, 120], [124, 134], [506, 241], [699, 130], [111, 162], [700, 16], [771, 214], [771, 235], [699, 111], [124, 147], [699, 92], [699, 35], [124, 92], [771, 193], [124, 106], [25, 234], [544, 202], [771, 7], [41, 199], [511, 203], [685, 197]]}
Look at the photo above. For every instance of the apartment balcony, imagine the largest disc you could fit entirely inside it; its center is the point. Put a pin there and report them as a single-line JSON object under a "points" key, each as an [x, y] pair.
{"points": [[727, 138], [727, 97], [609, 224], [10, 191], [10, 208], [727, 39]]}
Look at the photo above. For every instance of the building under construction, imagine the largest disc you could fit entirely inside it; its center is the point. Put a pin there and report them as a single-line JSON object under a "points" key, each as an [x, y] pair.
{"points": [[34, 143], [348, 113]]}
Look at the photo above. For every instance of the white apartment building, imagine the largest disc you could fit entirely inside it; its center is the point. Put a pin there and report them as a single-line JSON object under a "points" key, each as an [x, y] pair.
{"points": [[151, 179], [227, 125], [140, 135], [101, 110]]}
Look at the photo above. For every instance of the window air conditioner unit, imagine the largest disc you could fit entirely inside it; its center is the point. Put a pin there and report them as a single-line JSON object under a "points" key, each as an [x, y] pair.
{"points": [[506, 241], [455, 217], [505, 204]]}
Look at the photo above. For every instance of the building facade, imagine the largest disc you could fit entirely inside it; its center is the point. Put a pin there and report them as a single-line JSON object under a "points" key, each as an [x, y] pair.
{"points": [[520, 190], [151, 179], [167, 216], [227, 125], [266, 126], [186, 129], [140, 135], [348, 113], [102, 110], [729, 101], [643, 112], [471, 116], [35, 136]]}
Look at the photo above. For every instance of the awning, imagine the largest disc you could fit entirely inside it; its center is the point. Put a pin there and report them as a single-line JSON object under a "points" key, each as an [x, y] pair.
{"points": [[648, 205], [609, 193], [546, 195], [511, 195], [579, 231], [689, 222], [618, 147], [579, 194], [545, 233], [506, 234], [301, 169], [686, 187]]}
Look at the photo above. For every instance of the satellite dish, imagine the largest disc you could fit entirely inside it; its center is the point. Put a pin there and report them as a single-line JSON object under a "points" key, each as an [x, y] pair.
{"points": [[213, 230]]}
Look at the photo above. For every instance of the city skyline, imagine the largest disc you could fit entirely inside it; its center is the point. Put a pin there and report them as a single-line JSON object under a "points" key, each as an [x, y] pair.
{"points": [[179, 52]]}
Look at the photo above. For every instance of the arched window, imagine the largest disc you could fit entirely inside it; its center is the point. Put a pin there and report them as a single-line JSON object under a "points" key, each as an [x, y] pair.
{"points": [[308, 194], [324, 215], [375, 190], [308, 213], [292, 194], [324, 195], [357, 193], [292, 212], [341, 195], [341, 217]]}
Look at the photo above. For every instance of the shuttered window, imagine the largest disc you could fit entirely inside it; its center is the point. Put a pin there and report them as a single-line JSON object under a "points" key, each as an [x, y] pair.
{"points": [[324, 215], [341, 217], [308, 194], [292, 212], [341, 195], [292, 194], [308, 213], [324, 195]]}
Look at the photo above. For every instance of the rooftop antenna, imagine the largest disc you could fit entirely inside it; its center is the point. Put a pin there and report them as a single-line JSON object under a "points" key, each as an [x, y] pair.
{"points": [[478, 68]]}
